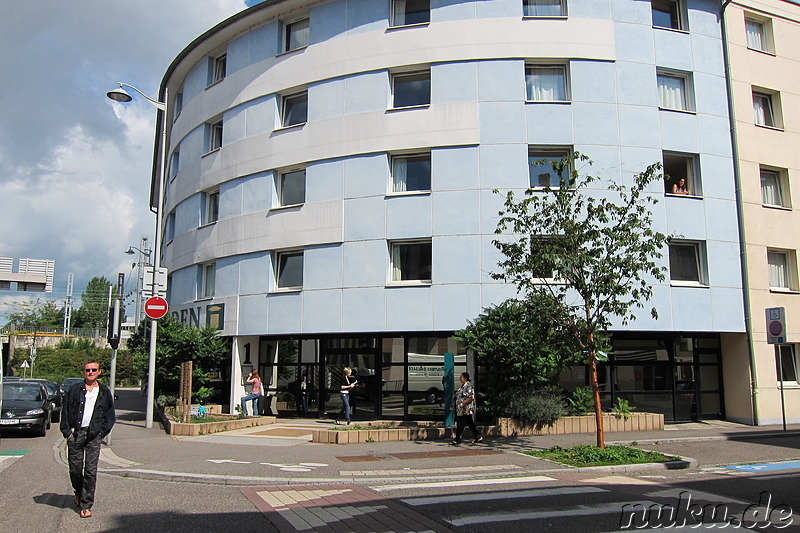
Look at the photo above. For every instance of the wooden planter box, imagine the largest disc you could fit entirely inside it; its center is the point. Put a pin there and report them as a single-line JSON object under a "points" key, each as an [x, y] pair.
{"points": [[506, 427], [206, 428]]}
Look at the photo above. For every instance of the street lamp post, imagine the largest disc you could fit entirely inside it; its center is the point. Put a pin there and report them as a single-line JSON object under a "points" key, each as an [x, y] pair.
{"points": [[120, 95], [143, 252]]}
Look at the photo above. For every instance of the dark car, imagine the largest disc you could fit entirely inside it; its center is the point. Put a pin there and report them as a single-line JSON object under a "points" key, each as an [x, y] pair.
{"points": [[53, 394], [25, 407], [68, 383]]}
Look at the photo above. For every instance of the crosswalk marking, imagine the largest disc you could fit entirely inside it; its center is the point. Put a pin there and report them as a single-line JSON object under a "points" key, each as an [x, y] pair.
{"points": [[591, 509], [463, 483], [532, 493], [619, 480]]}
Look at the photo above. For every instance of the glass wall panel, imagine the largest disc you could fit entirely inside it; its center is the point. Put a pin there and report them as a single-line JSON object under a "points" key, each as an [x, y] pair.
{"points": [[650, 403], [643, 378], [709, 377], [686, 406], [711, 405]]}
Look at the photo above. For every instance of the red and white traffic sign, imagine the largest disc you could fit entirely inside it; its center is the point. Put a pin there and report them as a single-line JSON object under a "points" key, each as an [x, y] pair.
{"points": [[156, 307]]}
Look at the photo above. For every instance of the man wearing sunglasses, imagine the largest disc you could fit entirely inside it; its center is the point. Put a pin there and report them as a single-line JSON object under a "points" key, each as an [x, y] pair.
{"points": [[87, 417]]}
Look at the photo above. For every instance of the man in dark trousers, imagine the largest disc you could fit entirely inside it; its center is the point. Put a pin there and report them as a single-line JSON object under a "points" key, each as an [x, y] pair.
{"points": [[87, 417]]}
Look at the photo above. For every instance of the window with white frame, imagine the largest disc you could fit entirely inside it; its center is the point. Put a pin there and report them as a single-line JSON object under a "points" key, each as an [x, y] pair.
{"points": [[411, 172], [774, 187], [411, 89], [786, 363], [765, 111], [289, 270], [174, 164], [294, 109], [177, 106], [291, 187], [219, 66], [546, 83], [675, 90], [541, 161], [209, 280], [544, 8], [169, 229], [759, 33], [782, 269], [295, 35], [681, 174], [214, 136], [667, 14], [687, 262], [407, 12], [543, 271], [411, 261], [210, 207]]}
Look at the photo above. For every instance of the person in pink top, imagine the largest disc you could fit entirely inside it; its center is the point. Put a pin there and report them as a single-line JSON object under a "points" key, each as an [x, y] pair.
{"points": [[254, 395]]}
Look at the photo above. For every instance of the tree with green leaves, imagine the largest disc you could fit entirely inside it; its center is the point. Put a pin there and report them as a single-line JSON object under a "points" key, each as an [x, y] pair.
{"points": [[525, 344], [93, 312], [36, 315], [594, 255], [177, 343]]}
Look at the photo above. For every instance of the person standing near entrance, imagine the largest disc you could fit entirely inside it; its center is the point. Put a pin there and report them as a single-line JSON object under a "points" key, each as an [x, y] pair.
{"points": [[255, 393], [464, 400], [88, 416], [348, 383]]}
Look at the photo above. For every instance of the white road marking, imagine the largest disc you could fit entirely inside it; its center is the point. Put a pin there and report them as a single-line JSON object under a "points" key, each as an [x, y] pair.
{"points": [[218, 461], [463, 483], [594, 509], [532, 493]]}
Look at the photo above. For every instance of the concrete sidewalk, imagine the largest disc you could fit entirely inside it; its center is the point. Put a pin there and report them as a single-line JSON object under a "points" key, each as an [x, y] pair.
{"points": [[284, 454]]}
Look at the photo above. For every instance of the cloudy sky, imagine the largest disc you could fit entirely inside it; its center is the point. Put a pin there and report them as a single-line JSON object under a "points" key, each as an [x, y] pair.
{"points": [[74, 165]]}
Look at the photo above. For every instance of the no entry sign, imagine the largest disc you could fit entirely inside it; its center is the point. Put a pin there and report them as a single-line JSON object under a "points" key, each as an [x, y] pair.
{"points": [[155, 307]]}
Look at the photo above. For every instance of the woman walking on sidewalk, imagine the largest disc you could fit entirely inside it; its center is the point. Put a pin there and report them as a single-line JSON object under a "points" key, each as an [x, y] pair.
{"points": [[254, 395], [464, 399], [348, 382]]}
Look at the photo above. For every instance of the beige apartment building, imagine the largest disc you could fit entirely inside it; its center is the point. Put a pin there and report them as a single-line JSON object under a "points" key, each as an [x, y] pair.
{"points": [[763, 54]]}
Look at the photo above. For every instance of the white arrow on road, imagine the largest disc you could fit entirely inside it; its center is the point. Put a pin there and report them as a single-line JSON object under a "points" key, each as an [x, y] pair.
{"points": [[218, 461]]}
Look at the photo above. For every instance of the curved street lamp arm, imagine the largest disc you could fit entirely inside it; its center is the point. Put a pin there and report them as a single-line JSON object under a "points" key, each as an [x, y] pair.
{"points": [[159, 105]]}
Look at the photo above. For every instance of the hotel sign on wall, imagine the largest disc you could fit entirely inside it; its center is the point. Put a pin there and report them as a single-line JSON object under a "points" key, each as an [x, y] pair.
{"points": [[776, 325]]}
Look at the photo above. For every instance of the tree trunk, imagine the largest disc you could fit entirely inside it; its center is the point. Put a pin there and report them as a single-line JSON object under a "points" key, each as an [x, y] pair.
{"points": [[598, 409]]}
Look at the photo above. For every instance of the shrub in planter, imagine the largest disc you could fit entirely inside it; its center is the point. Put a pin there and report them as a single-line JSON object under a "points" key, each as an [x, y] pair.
{"points": [[538, 407], [581, 401]]}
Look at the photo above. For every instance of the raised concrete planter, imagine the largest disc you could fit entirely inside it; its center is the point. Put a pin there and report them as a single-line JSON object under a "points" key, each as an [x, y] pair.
{"points": [[506, 427], [206, 428]]}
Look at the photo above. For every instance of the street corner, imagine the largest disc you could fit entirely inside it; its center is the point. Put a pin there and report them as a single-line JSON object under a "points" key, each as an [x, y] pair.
{"points": [[336, 508]]}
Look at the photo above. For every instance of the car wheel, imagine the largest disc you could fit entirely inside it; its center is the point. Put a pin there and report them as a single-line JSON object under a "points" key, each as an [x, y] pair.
{"points": [[56, 417], [48, 423], [431, 395], [43, 431]]}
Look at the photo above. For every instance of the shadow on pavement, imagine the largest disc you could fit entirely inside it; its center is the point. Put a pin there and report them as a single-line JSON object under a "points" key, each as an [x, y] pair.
{"points": [[59, 501], [192, 523]]}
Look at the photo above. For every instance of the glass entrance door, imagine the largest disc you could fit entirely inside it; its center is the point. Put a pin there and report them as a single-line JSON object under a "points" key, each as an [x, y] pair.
{"points": [[361, 356]]}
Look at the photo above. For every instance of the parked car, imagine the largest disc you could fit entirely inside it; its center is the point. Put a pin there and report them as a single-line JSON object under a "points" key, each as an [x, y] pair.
{"points": [[25, 407], [53, 394], [67, 383]]}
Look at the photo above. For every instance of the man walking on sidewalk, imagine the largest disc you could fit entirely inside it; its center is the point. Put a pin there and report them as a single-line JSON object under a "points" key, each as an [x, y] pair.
{"points": [[87, 417]]}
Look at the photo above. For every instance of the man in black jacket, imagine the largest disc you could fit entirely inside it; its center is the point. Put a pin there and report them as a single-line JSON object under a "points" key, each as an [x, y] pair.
{"points": [[87, 416]]}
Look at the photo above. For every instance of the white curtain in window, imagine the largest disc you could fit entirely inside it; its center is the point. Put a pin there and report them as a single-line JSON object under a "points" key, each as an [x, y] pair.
{"points": [[778, 275], [762, 110], [770, 188], [671, 92], [399, 174], [397, 273], [399, 12], [298, 35], [546, 84], [210, 280], [755, 35], [543, 8]]}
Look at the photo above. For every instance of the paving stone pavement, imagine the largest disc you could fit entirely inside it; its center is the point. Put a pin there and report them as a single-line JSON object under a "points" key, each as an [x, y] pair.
{"points": [[337, 509]]}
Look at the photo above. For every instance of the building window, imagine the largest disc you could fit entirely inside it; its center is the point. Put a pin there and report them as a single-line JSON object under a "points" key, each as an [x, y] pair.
{"points": [[411, 261], [786, 363], [214, 136], [774, 188], [294, 109], [681, 174], [674, 91], [759, 35], [764, 109], [289, 275], [411, 89], [782, 269], [210, 207], [667, 14], [209, 280], [540, 167], [686, 262], [219, 65], [291, 187], [407, 12], [177, 106], [169, 230], [174, 164], [295, 35], [411, 172], [546, 83], [544, 8]]}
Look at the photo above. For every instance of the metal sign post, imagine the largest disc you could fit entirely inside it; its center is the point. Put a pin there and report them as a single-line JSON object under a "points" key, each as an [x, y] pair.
{"points": [[776, 334]]}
